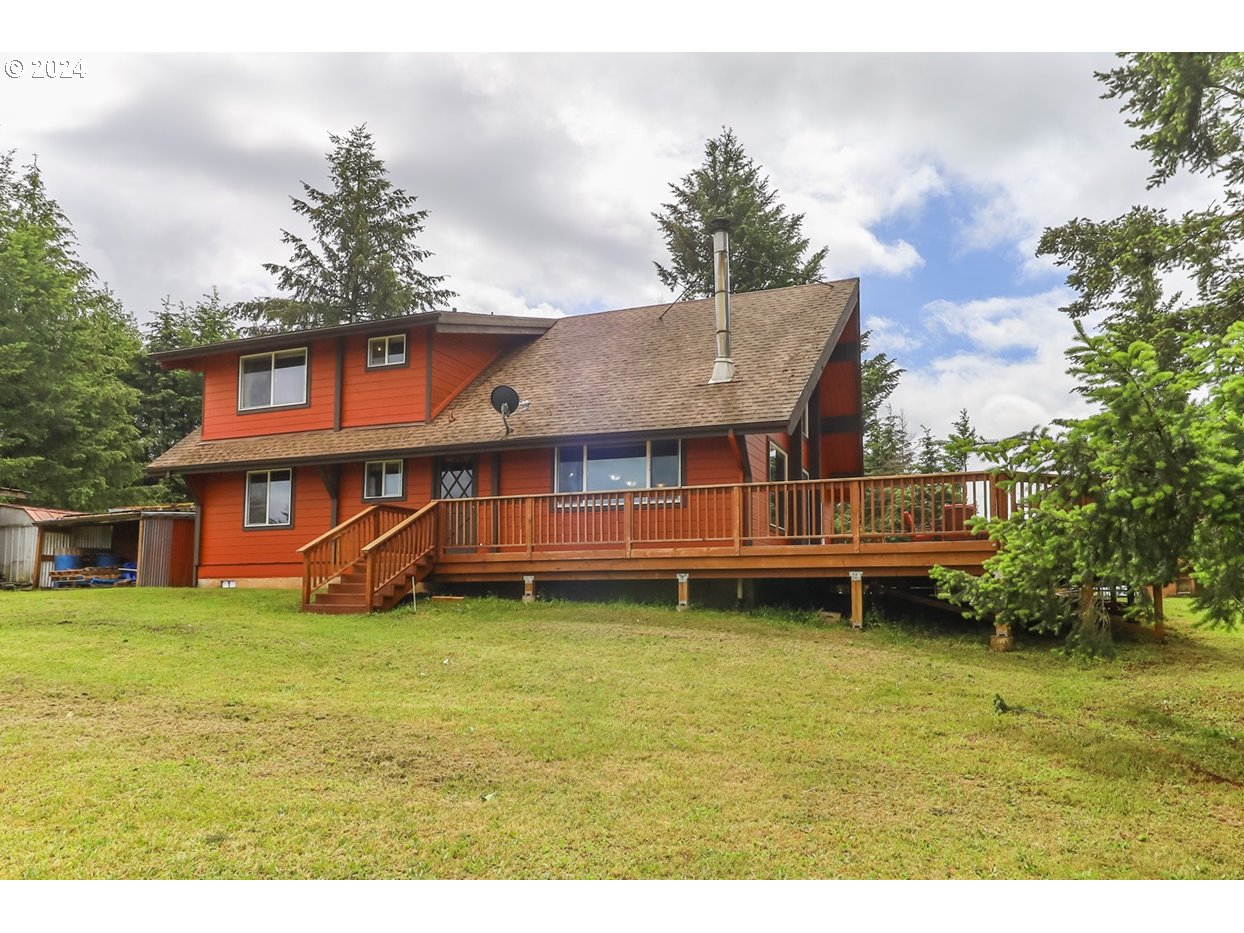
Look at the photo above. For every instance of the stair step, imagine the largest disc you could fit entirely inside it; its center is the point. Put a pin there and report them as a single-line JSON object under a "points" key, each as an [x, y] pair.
{"points": [[341, 599], [334, 610]]}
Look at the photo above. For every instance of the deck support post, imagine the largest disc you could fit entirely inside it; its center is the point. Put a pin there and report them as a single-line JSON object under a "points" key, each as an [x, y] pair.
{"points": [[857, 599], [684, 591], [529, 588], [1159, 617], [1001, 639]]}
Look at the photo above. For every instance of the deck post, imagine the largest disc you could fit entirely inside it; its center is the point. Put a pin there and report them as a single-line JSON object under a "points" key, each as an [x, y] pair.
{"points": [[857, 599], [684, 591], [529, 521], [1159, 617], [737, 505], [857, 513], [369, 579], [628, 520], [1001, 639], [529, 588]]}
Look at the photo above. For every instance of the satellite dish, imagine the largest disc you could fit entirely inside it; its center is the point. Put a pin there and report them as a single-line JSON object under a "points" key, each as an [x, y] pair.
{"points": [[505, 400]]}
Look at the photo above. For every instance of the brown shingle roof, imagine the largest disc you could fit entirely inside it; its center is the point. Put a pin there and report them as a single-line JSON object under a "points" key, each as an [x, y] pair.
{"points": [[611, 373]]}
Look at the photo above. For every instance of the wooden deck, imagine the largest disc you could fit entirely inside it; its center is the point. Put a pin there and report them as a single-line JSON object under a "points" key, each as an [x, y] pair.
{"points": [[879, 526]]}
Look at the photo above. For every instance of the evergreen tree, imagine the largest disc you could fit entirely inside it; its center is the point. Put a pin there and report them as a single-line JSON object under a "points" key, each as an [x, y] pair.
{"points": [[930, 453], [889, 450], [172, 400], [884, 448], [67, 433], [362, 262], [767, 245], [1155, 476], [959, 445]]}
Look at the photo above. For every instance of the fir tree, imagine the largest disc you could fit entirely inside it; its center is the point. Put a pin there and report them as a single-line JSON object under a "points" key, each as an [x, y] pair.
{"points": [[362, 261], [767, 244], [1155, 476], [172, 399], [67, 433]]}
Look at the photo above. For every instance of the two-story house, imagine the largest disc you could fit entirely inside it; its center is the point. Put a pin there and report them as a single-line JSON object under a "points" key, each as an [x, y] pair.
{"points": [[716, 438]]}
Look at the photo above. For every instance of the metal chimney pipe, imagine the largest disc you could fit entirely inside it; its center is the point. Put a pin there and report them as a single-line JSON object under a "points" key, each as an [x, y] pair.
{"points": [[723, 366]]}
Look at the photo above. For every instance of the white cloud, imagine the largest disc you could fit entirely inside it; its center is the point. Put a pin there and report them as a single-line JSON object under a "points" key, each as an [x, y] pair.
{"points": [[1003, 394], [888, 336]]}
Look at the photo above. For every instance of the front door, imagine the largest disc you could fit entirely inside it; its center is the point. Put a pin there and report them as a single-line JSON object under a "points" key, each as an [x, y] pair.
{"points": [[455, 479]]}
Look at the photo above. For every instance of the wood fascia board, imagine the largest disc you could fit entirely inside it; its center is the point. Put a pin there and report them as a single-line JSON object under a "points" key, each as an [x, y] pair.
{"points": [[446, 321], [852, 306]]}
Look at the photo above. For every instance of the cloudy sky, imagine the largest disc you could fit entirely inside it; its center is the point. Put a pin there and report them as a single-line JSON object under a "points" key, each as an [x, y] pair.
{"points": [[928, 176]]}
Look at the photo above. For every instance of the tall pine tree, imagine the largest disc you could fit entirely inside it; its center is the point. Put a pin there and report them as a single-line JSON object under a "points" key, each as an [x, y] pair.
{"points": [[67, 433], [767, 245], [362, 261]]}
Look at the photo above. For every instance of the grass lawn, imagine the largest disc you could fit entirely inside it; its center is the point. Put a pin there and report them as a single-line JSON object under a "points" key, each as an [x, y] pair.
{"points": [[180, 733]]}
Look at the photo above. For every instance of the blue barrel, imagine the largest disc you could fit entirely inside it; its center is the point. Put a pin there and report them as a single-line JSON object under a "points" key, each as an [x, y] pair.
{"points": [[107, 560], [67, 562]]}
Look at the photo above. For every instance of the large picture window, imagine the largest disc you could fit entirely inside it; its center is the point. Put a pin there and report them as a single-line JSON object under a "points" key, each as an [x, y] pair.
{"points": [[383, 479], [269, 498], [599, 468], [386, 351], [272, 380]]}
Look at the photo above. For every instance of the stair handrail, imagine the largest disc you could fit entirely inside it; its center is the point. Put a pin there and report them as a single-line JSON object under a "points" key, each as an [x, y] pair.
{"points": [[375, 548], [319, 568]]}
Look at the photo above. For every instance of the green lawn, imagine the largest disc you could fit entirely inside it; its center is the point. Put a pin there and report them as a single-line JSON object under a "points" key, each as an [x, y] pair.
{"points": [[178, 733]]}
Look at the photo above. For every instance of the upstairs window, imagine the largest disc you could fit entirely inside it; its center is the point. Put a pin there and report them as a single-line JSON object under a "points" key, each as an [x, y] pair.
{"points": [[598, 468], [383, 479], [386, 351], [269, 498], [272, 380]]}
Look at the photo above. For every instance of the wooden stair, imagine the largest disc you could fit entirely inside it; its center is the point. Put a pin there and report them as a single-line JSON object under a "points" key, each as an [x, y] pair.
{"points": [[346, 595]]}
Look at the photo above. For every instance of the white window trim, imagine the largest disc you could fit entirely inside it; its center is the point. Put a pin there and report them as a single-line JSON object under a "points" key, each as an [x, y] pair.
{"points": [[246, 501], [388, 362], [272, 355], [401, 473], [804, 422]]}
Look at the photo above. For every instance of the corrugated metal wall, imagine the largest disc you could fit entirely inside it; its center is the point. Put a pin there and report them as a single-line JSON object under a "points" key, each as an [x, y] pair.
{"points": [[89, 537], [17, 552], [54, 542], [156, 555]]}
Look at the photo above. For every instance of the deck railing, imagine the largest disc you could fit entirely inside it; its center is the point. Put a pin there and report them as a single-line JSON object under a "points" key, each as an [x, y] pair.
{"points": [[852, 513], [341, 547], [396, 553]]}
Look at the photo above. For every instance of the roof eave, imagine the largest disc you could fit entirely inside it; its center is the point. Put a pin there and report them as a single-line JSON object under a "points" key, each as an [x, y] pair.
{"points": [[452, 322], [497, 446]]}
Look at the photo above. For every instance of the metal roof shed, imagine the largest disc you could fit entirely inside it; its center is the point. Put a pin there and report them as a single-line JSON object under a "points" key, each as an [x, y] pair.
{"points": [[18, 538], [159, 541]]}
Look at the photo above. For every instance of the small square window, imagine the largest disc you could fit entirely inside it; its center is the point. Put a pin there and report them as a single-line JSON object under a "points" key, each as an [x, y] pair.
{"points": [[386, 351], [382, 479]]}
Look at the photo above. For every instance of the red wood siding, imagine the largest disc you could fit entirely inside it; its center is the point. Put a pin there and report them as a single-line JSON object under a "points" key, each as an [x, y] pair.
{"points": [[227, 549], [386, 395], [220, 398], [842, 451], [710, 461], [456, 360], [526, 472]]}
